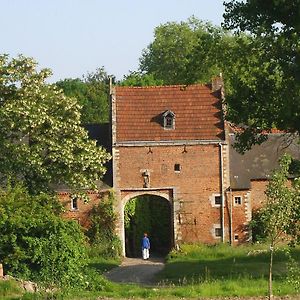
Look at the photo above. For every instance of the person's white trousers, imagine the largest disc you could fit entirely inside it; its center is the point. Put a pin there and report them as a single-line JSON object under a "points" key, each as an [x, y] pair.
{"points": [[145, 253]]}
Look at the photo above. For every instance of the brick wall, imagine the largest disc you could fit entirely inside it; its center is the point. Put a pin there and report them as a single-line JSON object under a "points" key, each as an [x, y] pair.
{"points": [[196, 183], [258, 196], [239, 213], [81, 214]]}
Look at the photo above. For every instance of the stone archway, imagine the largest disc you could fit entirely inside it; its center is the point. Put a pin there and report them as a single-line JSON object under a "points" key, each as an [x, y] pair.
{"points": [[154, 213]]}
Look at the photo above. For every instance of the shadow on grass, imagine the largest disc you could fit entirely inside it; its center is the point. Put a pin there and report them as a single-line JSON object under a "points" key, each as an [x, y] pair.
{"points": [[192, 270]]}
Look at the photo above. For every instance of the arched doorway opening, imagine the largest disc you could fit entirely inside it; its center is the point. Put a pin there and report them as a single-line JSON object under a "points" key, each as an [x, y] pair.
{"points": [[151, 214]]}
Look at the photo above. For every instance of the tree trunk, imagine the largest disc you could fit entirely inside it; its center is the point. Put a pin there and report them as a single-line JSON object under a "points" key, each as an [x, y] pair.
{"points": [[271, 272]]}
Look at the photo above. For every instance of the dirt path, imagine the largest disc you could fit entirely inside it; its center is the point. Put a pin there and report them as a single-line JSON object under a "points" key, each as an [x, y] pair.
{"points": [[136, 270]]}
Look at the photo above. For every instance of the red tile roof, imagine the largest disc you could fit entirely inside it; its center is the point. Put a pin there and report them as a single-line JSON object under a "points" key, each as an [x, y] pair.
{"points": [[198, 114]]}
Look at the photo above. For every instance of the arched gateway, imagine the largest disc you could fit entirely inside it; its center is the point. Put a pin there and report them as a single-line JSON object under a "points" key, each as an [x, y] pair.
{"points": [[152, 195], [169, 142], [149, 212]]}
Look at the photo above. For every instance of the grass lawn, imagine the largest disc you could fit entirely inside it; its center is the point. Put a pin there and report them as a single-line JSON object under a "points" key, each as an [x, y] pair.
{"points": [[199, 271]]}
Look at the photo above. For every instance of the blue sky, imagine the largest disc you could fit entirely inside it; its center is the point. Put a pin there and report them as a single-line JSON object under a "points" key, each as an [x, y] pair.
{"points": [[73, 37]]}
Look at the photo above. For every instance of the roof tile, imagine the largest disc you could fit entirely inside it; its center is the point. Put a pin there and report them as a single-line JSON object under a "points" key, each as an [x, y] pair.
{"points": [[197, 113]]}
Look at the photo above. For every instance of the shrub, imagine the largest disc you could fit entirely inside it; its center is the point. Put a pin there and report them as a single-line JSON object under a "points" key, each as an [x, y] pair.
{"points": [[35, 242], [103, 239]]}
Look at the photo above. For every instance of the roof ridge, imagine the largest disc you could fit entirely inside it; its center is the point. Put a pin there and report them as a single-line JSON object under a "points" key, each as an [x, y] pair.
{"points": [[162, 86]]}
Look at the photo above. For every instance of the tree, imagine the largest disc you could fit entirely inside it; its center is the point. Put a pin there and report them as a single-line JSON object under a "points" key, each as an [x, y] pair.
{"points": [[138, 78], [36, 243], [266, 85], [92, 93], [41, 138], [280, 214], [185, 52]]}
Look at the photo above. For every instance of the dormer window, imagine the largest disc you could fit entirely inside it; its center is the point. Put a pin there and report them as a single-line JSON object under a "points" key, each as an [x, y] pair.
{"points": [[169, 119]]}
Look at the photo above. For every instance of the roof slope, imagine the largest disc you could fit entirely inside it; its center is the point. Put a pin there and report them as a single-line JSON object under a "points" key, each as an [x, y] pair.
{"points": [[197, 109], [260, 161]]}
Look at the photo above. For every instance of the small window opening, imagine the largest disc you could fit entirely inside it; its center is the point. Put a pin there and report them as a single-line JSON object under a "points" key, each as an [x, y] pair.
{"points": [[218, 200], [74, 203], [169, 119], [236, 237], [218, 232], [238, 200], [177, 168]]}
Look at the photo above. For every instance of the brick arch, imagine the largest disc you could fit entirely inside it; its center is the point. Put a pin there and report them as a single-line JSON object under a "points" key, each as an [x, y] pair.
{"points": [[165, 195], [126, 198]]}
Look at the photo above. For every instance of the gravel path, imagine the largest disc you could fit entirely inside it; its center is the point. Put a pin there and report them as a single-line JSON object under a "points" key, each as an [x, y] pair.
{"points": [[136, 270]]}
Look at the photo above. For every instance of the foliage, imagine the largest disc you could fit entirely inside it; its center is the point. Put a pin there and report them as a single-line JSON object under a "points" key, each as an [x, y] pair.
{"points": [[228, 272], [102, 232], [280, 215], [185, 52], [35, 242], [149, 214], [257, 228], [41, 138], [266, 85], [140, 79], [211, 262], [92, 93]]}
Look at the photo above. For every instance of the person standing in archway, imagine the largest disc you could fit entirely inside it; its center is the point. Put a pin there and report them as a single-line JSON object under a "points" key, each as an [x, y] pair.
{"points": [[145, 246]]}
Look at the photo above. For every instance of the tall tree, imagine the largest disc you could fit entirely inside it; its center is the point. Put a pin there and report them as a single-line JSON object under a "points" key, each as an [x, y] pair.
{"points": [[266, 90], [41, 138], [92, 93], [185, 52], [138, 78]]}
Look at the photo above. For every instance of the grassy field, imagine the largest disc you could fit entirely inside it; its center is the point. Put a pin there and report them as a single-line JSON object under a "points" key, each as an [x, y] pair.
{"points": [[196, 271]]}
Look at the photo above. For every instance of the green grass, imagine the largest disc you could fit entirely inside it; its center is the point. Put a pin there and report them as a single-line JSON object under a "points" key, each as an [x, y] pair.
{"points": [[102, 265], [196, 271], [9, 290], [199, 263]]}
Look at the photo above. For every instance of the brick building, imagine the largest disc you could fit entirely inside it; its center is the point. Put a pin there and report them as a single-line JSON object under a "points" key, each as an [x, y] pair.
{"points": [[172, 142]]}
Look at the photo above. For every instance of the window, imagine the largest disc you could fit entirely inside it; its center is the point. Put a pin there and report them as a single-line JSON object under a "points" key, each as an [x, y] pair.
{"points": [[169, 119], [236, 237], [215, 200], [74, 203], [237, 200], [177, 168], [218, 200], [218, 232]]}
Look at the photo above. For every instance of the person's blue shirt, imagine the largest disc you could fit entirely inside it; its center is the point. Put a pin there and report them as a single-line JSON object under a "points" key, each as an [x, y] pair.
{"points": [[145, 243]]}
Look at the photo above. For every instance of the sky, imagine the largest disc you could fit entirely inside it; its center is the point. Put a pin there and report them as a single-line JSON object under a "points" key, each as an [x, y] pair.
{"points": [[74, 37]]}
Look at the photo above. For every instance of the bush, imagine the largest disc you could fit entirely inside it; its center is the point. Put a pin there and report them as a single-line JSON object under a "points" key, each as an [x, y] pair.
{"points": [[103, 239], [36, 243]]}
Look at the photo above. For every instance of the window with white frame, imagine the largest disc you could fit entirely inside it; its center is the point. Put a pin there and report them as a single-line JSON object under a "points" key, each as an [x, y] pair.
{"points": [[215, 200], [218, 232], [237, 200], [218, 200]]}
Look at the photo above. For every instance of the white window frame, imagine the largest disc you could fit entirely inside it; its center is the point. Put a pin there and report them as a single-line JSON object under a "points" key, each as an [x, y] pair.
{"points": [[212, 199], [237, 204], [219, 227]]}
